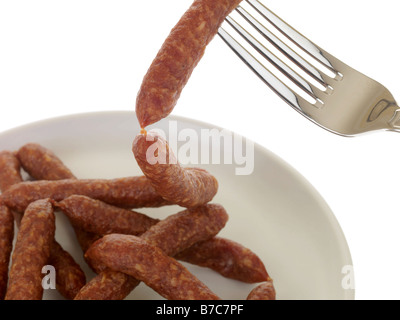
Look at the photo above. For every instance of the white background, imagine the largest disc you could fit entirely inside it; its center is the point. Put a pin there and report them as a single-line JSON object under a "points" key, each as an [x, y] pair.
{"points": [[64, 57]]}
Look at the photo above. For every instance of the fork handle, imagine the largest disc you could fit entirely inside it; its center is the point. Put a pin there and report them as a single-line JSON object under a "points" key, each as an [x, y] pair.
{"points": [[394, 123]]}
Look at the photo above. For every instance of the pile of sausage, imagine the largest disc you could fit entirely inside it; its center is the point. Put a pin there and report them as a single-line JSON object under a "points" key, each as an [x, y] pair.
{"points": [[122, 246]]}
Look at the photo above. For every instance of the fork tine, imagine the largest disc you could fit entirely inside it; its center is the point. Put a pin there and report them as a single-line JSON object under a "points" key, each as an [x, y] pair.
{"points": [[275, 84], [288, 72], [294, 36], [282, 47]]}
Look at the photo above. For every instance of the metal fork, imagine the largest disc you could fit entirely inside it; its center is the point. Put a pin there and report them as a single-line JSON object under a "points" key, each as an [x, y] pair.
{"points": [[319, 86]]}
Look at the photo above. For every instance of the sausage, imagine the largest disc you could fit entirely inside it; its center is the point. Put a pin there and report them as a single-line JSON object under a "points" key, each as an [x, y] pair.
{"points": [[6, 245], [151, 265], [31, 252], [264, 291], [187, 187], [229, 258], [100, 218], [41, 163], [173, 234], [10, 170], [131, 192], [177, 58]]}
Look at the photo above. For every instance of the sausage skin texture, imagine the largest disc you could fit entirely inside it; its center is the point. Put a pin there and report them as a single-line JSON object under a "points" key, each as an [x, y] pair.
{"points": [[108, 285], [10, 170], [31, 252], [229, 258], [6, 245], [41, 163], [98, 217], [10, 174], [187, 187], [179, 55], [129, 192], [264, 291], [151, 265], [173, 234], [182, 230]]}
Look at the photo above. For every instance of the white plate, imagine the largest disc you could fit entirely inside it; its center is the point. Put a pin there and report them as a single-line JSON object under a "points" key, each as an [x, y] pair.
{"points": [[274, 211]]}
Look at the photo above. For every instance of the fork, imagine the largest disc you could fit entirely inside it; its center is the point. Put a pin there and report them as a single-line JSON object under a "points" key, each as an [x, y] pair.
{"points": [[316, 84]]}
